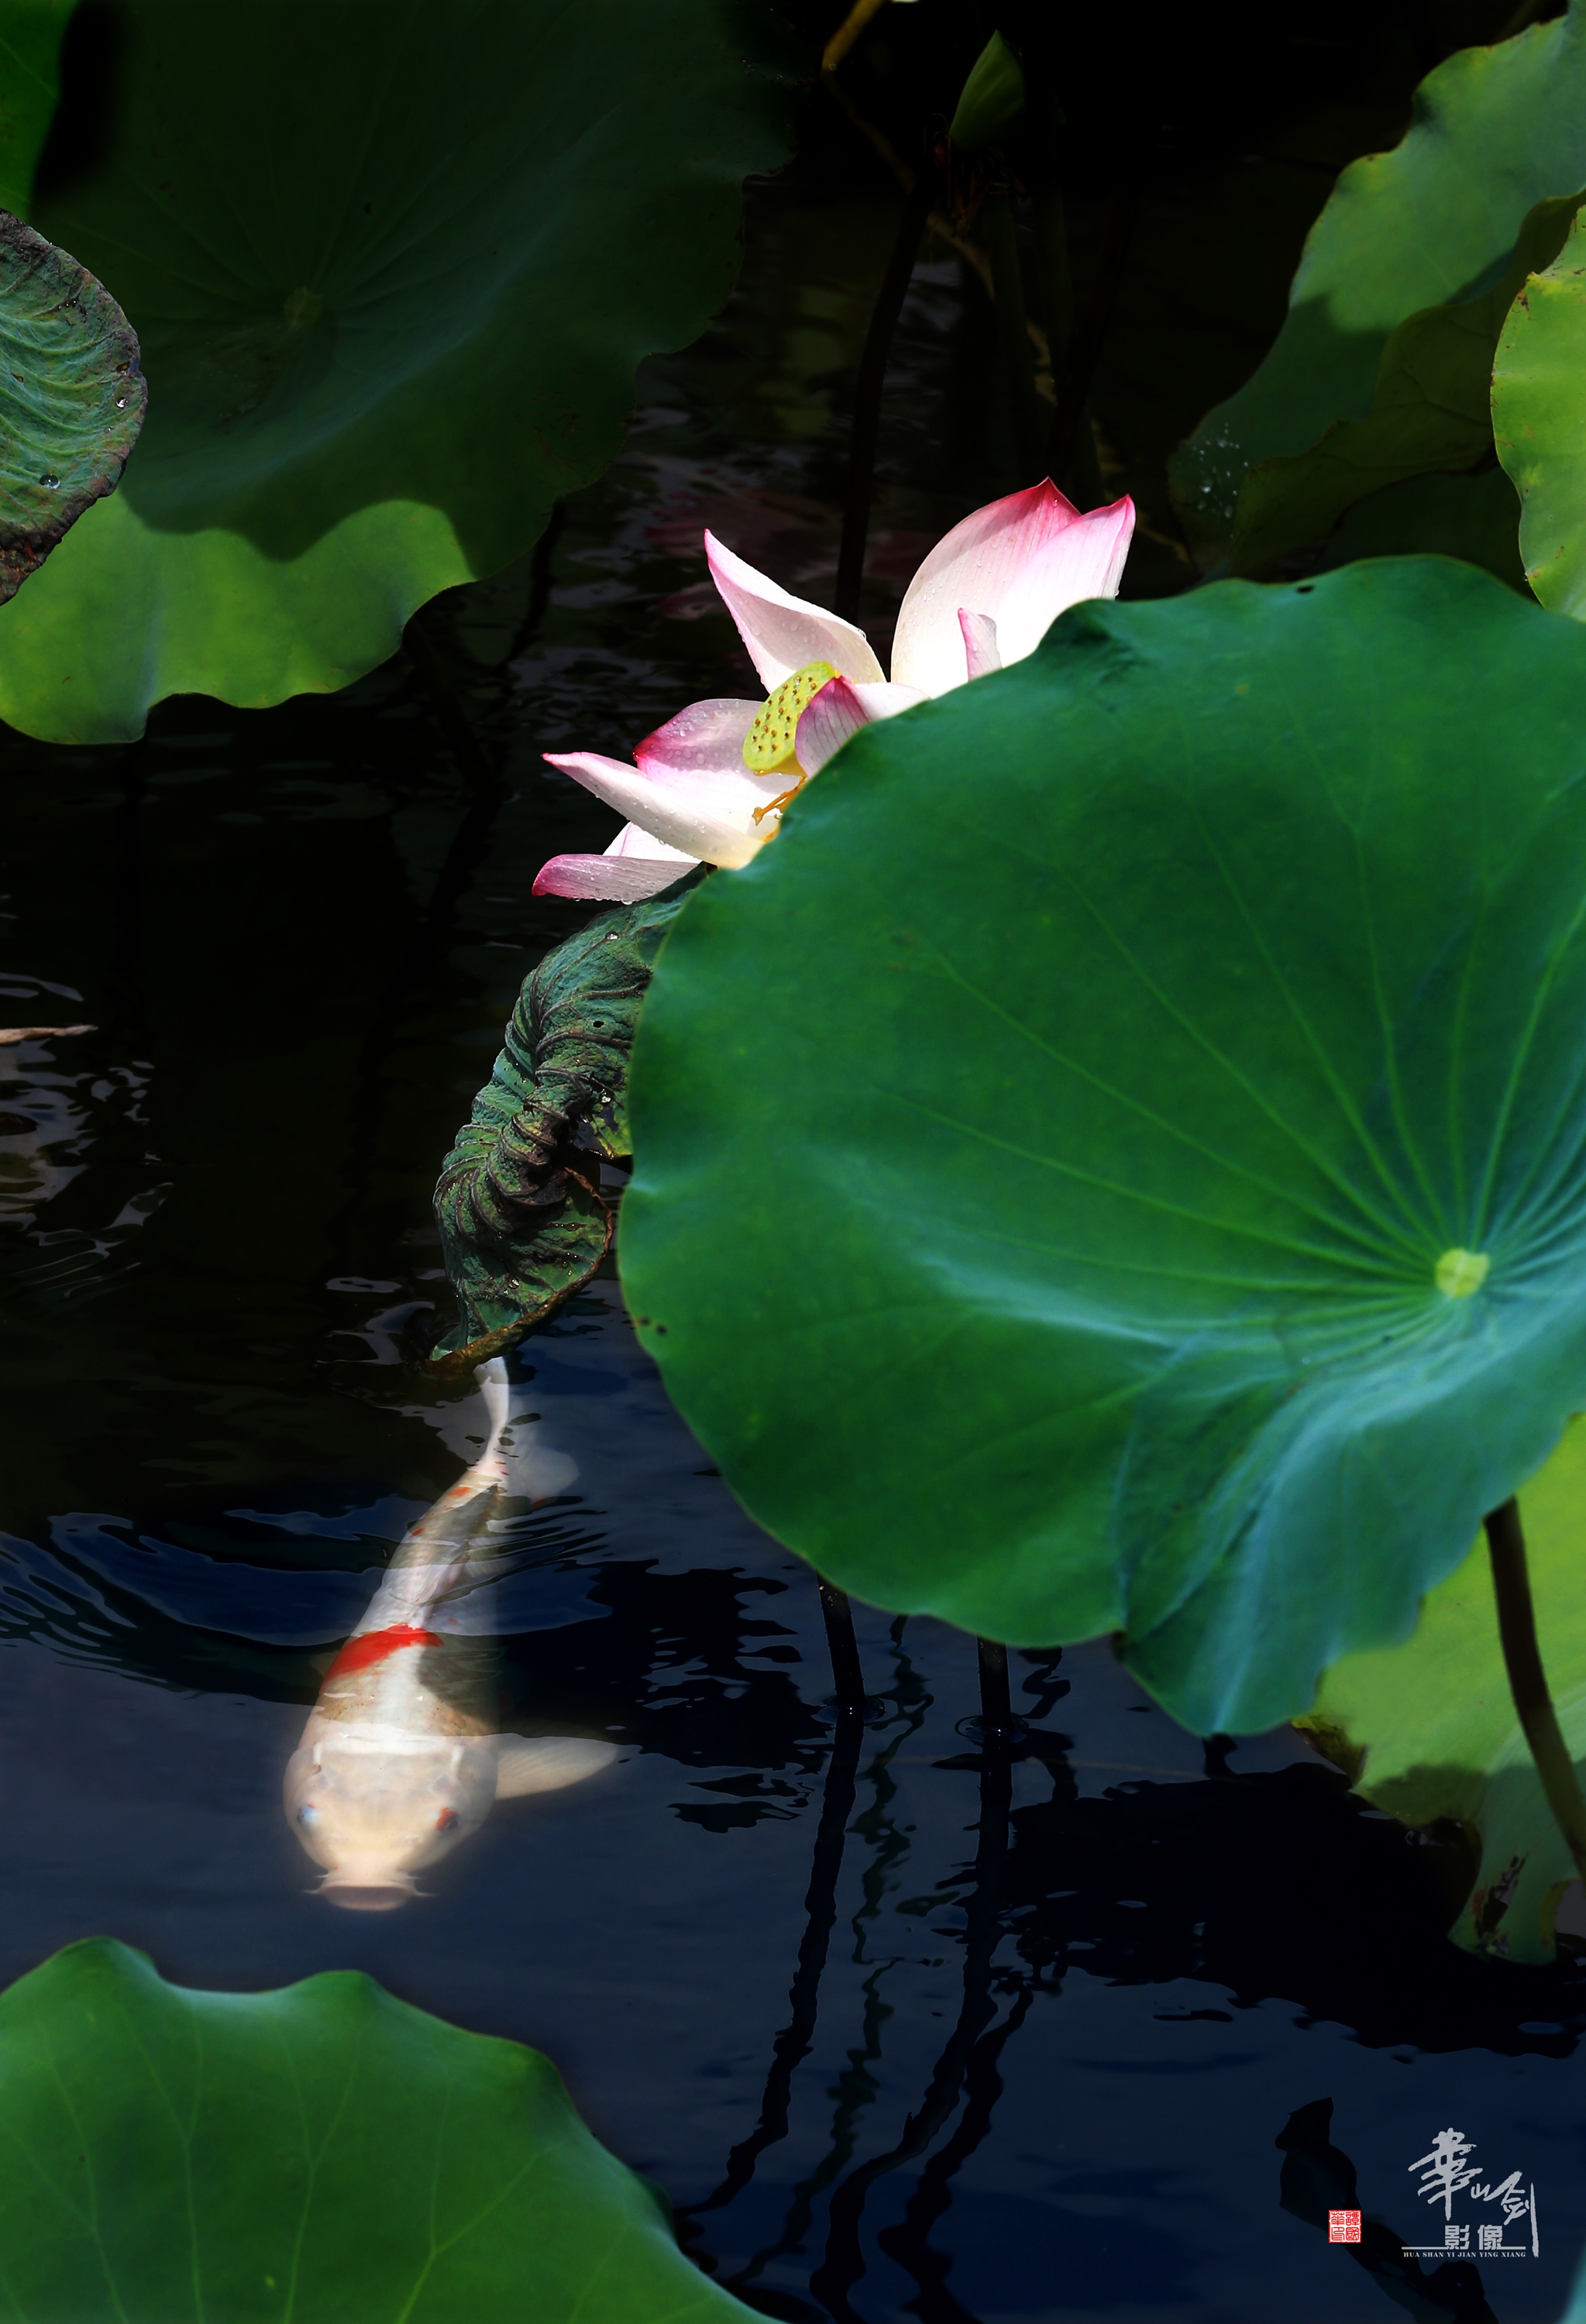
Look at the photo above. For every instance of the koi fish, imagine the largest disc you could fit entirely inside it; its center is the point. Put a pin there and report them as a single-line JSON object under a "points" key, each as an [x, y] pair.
{"points": [[397, 1763]]}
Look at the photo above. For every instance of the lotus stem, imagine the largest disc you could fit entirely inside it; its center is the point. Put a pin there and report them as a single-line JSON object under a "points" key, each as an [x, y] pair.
{"points": [[447, 701], [1013, 334], [1078, 373], [996, 1703], [1517, 1628], [1053, 274], [846, 1668], [867, 390], [848, 31]]}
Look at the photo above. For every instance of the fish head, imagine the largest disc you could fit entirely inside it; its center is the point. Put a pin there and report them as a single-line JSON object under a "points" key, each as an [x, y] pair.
{"points": [[374, 1816]]}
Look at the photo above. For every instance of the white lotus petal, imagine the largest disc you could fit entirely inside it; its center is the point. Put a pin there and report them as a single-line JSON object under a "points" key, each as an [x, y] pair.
{"points": [[885, 700], [980, 648], [782, 631], [631, 841], [1021, 561], [693, 818]]}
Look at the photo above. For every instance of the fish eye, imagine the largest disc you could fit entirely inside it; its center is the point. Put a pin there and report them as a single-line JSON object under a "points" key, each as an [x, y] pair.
{"points": [[308, 1815], [448, 1819]]}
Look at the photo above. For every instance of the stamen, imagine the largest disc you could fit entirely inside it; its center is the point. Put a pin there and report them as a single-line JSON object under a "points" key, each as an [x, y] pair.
{"points": [[768, 747], [775, 806]]}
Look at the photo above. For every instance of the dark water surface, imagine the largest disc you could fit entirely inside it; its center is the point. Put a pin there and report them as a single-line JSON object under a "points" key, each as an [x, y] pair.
{"points": [[1067, 2007]]}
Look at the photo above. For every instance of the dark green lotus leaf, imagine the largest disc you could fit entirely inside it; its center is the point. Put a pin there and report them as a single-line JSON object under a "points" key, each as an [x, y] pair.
{"points": [[1539, 419], [522, 1220], [391, 270], [1475, 518], [71, 398], [1495, 130], [1430, 412], [30, 91], [1118, 1159], [1428, 1729], [323, 2154]]}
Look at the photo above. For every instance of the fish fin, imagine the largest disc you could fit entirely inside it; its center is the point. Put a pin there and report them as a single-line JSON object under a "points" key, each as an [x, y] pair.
{"points": [[547, 1473], [547, 1764]]}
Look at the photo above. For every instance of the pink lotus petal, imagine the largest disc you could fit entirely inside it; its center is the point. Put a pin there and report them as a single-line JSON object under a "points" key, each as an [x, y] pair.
{"points": [[782, 632], [707, 738], [833, 715], [1021, 561], [687, 815], [980, 648], [608, 878], [700, 753]]}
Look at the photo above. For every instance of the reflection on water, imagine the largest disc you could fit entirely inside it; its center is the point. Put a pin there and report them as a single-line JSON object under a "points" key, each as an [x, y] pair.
{"points": [[400, 1760], [908, 2024]]}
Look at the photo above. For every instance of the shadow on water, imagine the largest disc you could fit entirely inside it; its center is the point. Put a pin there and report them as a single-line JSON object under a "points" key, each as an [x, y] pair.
{"points": [[1319, 2177]]}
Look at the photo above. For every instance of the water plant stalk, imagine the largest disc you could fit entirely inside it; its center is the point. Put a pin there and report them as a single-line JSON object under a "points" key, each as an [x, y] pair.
{"points": [[843, 2262], [1052, 274], [541, 572], [847, 1671], [797, 2038], [447, 701], [1078, 373], [849, 30], [1013, 339], [996, 1704], [132, 775], [869, 386], [1517, 1628]]}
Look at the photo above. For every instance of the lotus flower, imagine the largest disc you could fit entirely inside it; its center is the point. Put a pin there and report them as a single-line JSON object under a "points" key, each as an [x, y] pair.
{"points": [[711, 784]]}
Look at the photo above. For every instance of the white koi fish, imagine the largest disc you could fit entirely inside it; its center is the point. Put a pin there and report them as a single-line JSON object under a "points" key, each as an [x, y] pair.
{"points": [[397, 1763]]}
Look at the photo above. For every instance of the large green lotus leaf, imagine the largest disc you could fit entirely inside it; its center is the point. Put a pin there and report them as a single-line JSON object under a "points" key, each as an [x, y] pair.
{"points": [[323, 2154], [1476, 518], [393, 269], [1057, 1154], [1539, 421], [1428, 1728], [1495, 130], [71, 398], [1430, 412]]}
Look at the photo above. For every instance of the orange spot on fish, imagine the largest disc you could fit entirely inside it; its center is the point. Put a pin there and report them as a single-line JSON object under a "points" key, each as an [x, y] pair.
{"points": [[373, 1645]]}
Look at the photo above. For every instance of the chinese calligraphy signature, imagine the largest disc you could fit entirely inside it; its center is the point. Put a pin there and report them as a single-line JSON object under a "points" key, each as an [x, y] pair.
{"points": [[1449, 2170]]}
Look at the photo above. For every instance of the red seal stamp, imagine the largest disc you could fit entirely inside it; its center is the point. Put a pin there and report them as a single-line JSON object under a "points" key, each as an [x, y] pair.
{"points": [[1343, 2226]]}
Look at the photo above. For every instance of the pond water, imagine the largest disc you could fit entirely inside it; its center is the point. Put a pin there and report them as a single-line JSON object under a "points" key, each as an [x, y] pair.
{"points": [[931, 2032]]}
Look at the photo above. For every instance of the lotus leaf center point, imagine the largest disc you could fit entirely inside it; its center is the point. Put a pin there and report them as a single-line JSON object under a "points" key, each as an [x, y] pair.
{"points": [[1460, 1272]]}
